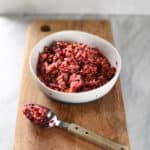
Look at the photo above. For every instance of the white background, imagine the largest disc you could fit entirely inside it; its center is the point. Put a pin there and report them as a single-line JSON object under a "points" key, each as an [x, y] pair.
{"points": [[75, 6]]}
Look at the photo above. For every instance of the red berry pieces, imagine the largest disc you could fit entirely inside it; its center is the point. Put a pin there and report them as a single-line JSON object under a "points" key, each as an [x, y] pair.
{"points": [[36, 114], [73, 67]]}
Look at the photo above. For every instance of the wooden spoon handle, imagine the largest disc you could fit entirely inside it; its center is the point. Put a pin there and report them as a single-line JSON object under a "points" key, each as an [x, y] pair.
{"points": [[94, 138]]}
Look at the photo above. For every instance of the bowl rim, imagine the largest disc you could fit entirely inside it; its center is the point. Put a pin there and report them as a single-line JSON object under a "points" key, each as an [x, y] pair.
{"points": [[82, 92]]}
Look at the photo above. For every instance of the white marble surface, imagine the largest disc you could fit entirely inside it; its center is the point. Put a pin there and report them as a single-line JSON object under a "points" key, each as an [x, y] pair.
{"points": [[75, 6], [131, 34]]}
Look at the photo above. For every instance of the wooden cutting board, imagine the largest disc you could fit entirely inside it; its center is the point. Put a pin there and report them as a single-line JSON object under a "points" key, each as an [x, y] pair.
{"points": [[106, 116]]}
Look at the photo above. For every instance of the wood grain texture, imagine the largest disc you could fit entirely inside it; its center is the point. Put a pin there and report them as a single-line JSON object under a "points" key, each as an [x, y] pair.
{"points": [[106, 116]]}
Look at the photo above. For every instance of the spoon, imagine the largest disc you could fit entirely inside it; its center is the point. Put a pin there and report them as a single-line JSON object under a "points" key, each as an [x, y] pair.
{"points": [[45, 118]]}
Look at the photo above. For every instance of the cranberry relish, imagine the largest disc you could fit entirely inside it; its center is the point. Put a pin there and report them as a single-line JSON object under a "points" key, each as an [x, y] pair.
{"points": [[73, 67], [36, 114]]}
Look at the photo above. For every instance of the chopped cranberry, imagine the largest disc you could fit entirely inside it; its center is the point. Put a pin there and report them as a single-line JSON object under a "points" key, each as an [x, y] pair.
{"points": [[37, 114], [73, 67]]}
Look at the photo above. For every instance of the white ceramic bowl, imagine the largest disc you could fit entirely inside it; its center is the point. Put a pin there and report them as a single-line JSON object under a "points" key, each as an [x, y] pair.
{"points": [[94, 41]]}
